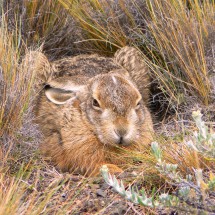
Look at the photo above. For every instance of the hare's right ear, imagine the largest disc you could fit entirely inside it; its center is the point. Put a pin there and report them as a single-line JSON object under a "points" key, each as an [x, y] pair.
{"points": [[62, 90], [39, 65]]}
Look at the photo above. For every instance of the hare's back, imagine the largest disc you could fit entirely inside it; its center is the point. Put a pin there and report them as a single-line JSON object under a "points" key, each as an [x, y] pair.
{"points": [[84, 65]]}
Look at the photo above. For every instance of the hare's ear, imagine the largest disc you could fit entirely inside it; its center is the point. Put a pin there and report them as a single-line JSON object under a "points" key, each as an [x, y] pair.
{"points": [[37, 64], [58, 96], [61, 91]]}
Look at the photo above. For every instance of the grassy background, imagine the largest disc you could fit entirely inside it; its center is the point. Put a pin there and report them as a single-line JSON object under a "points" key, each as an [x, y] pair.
{"points": [[176, 38], [177, 41]]}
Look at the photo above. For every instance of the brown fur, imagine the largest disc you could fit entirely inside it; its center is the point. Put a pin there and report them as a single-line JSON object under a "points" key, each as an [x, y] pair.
{"points": [[81, 134], [130, 59]]}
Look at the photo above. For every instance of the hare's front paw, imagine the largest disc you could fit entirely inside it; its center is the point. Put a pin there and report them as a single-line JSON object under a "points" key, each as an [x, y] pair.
{"points": [[113, 168]]}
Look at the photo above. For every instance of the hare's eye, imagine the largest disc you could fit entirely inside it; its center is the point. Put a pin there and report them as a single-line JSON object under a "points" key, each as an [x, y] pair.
{"points": [[95, 103], [138, 105]]}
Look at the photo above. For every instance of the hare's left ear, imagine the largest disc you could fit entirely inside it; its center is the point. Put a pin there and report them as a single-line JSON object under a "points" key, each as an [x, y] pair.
{"points": [[63, 90]]}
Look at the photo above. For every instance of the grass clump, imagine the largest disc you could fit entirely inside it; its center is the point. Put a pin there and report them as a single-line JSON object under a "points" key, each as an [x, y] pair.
{"points": [[14, 90], [175, 36], [182, 39], [43, 23], [14, 102], [106, 26]]}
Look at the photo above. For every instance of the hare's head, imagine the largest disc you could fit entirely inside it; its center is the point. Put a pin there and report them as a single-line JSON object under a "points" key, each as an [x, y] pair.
{"points": [[111, 103]]}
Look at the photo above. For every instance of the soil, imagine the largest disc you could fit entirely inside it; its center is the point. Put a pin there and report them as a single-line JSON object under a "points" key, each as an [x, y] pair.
{"points": [[83, 196]]}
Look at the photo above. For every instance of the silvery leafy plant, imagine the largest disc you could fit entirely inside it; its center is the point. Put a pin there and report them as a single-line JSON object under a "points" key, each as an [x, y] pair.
{"points": [[203, 141]]}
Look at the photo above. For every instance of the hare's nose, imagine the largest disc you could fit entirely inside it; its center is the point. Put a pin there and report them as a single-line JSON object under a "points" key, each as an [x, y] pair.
{"points": [[121, 133]]}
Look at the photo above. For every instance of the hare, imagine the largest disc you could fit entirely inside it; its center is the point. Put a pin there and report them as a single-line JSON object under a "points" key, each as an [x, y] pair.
{"points": [[91, 111]]}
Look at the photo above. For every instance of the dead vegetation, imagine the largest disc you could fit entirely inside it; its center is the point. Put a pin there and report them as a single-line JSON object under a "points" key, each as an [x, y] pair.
{"points": [[177, 42]]}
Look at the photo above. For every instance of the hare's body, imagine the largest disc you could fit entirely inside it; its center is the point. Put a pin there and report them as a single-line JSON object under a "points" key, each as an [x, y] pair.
{"points": [[71, 142], [91, 112]]}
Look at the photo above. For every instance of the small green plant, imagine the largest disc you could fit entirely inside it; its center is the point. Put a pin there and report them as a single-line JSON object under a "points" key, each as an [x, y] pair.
{"points": [[195, 190]]}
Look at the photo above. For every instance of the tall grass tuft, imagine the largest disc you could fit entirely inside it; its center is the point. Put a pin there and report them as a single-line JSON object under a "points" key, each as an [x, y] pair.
{"points": [[182, 39], [44, 23], [106, 26], [175, 36], [14, 89], [17, 132]]}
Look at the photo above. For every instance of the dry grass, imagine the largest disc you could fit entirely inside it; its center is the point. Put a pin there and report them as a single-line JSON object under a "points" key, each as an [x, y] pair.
{"points": [[43, 23], [20, 197], [176, 39], [15, 91], [17, 133], [106, 26], [181, 37]]}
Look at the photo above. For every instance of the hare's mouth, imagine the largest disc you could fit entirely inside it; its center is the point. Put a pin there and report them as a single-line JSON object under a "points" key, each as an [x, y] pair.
{"points": [[115, 139], [116, 142], [123, 142]]}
